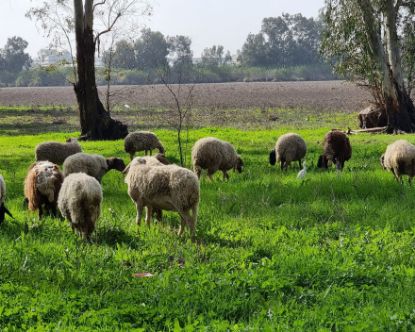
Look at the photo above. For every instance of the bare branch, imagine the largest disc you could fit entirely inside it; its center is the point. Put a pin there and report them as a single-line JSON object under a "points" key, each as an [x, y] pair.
{"points": [[109, 28], [99, 4]]}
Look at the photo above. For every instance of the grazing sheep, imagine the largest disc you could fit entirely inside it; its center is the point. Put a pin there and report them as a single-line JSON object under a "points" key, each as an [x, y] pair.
{"points": [[80, 202], [41, 187], [157, 160], [337, 150], [164, 187], [142, 141], [289, 147], [92, 164], [214, 154], [57, 152], [399, 158], [3, 208]]}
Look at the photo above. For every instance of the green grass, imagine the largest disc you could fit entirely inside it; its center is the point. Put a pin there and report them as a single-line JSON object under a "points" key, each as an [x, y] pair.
{"points": [[332, 253]]}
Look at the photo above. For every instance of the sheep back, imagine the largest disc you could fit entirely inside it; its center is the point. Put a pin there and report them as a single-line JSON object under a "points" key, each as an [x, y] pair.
{"points": [[337, 146], [42, 184], [80, 202], [56, 152], [400, 156], [215, 154], [92, 164], [166, 187], [290, 147], [142, 141]]}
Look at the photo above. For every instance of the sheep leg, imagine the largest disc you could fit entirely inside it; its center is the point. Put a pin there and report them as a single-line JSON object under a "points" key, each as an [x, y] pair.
{"points": [[40, 212], [191, 225], [151, 152], [395, 174], [300, 164], [139, 213], [225, 175], [198, 171], [149, 215], [282, 164], [182, 225], [210, 173]]}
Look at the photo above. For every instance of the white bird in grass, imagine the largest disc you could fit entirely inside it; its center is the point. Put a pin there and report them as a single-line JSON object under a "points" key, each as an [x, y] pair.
{"points": [[301, 174], [127, 106]]}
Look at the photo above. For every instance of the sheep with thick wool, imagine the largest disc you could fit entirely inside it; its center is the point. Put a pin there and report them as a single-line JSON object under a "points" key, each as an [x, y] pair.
{"points": [[56, 152], [337, 150], [80, 202], [214, 154], [399, 158], [92, 164], [142, 141], [3, 208], [41, 187], [163, 187], [288, 148]]}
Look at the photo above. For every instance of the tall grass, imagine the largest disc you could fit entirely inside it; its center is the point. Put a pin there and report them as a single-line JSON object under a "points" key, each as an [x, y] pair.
{"points": [[334, 252]]}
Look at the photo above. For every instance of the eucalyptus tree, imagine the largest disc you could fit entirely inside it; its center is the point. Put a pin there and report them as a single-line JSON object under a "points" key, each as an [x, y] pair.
{"points": [[372, 41]]}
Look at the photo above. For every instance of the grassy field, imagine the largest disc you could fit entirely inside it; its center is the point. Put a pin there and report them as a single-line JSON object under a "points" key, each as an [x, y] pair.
{"points": [[334, 252]]}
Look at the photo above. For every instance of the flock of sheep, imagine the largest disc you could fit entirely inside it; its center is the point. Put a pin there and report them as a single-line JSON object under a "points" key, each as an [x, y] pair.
{"points": [[156, 184]]}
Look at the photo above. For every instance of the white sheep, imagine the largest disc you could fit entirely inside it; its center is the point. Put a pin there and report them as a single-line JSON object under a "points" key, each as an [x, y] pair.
{"points": [[92, 164], [142, 141], [288, 148], [41, 187], [3, 208], [57, 152], [80, 202], [164, 187], [399, 158], [214, 154]]}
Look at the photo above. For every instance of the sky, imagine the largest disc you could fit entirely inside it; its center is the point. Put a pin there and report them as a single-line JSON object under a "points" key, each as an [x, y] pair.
{"points": [[207, 22]]}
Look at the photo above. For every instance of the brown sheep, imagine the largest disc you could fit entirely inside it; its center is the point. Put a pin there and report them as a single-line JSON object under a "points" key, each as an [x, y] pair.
{"points": [[41, 187], [337, 150]]}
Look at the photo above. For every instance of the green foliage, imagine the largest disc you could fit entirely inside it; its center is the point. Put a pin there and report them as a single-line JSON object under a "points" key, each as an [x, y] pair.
{"points": [[13, 59], [287, 40], [332, 252]]}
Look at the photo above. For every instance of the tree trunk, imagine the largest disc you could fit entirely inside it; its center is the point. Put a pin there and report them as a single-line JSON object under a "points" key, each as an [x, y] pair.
{"points": [[96, 123], [397, 103]]}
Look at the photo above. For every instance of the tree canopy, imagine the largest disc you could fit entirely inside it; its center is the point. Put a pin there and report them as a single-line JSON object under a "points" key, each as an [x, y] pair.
{"points": [[287, 40]]}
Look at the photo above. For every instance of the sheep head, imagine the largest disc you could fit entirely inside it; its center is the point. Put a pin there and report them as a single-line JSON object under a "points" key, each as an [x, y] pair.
{"points": [[323, 162], [162, 158], [272, 158], [382, 161], [116, 163], [239, 165]]}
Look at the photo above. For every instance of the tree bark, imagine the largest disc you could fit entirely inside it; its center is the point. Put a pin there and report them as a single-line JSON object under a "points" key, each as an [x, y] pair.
{"points": [[96, 122], [398, 105]]}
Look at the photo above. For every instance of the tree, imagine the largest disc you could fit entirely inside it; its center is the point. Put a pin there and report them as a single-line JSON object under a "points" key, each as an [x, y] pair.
{"points": [[180, 51], [124, 55], [287, 40], [366, 41], [214, 56], [13, 57], [151, 50], [96, 122]]}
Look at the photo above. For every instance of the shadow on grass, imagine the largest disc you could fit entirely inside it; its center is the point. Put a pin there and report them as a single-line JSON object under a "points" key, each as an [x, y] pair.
{"points": [[113, 236]]}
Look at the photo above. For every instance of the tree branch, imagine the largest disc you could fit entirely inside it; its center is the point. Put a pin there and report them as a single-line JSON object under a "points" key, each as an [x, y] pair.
{"points": [[99, 4], [109, 28]]}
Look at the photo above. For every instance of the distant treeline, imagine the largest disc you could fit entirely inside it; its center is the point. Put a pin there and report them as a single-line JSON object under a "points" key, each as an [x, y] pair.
{"points": [[286, 48]]}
